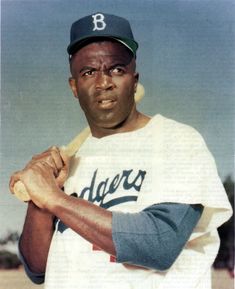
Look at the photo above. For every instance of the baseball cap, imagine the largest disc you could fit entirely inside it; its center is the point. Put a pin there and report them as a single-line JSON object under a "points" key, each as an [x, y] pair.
{"points": [[101, 25]]}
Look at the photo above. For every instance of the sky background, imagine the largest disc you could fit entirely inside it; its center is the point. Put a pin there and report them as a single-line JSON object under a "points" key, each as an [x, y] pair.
{"points": [[185, 60]]}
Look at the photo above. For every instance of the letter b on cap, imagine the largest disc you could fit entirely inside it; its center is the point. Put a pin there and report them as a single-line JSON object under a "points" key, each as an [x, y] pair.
{"points": [[98, 21]]}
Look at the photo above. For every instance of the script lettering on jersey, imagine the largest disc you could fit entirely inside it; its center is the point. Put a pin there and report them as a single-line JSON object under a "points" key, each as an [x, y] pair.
{"points": [[125, 180]]}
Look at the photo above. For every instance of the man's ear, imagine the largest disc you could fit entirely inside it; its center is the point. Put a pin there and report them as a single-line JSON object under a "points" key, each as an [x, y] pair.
{"points": [[136, 79], [72, 83]]}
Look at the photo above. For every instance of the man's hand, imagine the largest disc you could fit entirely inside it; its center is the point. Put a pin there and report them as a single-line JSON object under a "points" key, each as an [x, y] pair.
{"points": [[57, 160], [43, 176]]}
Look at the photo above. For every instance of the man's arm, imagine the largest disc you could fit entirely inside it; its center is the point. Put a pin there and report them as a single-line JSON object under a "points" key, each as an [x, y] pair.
{"points": [[154, 237], [42, 180], [36, 238], [88, 220], [39, 224]]}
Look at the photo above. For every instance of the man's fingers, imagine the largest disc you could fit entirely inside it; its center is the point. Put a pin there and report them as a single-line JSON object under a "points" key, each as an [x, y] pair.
{"points": [[65, 157], [63, 164], [52, 160], [49, 161], [52, 157], [55, 154], [29, 183]]}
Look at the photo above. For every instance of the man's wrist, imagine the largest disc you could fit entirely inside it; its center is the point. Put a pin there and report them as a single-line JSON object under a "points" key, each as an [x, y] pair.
{"points": [[55, 202]]}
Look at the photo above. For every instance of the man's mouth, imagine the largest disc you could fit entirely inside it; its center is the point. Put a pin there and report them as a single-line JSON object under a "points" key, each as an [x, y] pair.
{"points": [[107, 103]]}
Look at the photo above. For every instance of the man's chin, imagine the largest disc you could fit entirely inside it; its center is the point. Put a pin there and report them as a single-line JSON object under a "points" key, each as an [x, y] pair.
{"points": [[108, 124], [115, 121], [108, 120]]}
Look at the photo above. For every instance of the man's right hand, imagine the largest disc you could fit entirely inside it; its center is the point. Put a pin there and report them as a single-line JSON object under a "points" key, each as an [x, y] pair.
{"points": [[57, 160], [54, 158]]}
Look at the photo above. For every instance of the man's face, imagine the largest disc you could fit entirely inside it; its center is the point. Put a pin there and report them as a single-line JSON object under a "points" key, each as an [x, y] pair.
{"points": [[104, 81]]}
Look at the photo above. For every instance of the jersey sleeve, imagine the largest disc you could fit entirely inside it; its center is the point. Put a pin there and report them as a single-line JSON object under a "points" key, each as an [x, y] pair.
{"points": [[184, 171], [154, 237]]}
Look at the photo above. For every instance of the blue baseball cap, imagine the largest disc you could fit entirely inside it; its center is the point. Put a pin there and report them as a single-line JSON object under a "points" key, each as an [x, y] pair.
{"points": [[101, 25]]}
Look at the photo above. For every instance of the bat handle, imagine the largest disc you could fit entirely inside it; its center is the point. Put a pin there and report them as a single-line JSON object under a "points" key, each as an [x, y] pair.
{"points": [[20, 191]]}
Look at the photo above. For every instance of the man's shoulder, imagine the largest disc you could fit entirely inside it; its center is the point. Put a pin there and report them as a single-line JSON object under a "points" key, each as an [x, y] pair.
{"points": [[175, 126], [176, 131]]}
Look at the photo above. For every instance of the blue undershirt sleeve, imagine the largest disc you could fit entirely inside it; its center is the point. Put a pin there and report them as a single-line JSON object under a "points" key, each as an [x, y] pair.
{"points": [[37, 278], [154, 237]]}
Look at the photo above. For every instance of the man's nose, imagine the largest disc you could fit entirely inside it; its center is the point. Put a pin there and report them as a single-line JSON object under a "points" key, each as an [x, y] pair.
{"points": [[104, 81]]}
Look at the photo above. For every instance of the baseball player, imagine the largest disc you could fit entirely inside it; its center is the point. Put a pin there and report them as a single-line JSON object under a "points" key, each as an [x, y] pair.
{"points": [[138, 205]]}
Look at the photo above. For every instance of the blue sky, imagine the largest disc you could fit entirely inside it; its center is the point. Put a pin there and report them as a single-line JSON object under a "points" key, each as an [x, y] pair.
{"points": [[185, 60]]}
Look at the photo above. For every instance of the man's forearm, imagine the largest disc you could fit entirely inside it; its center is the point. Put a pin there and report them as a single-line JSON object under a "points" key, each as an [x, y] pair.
{"points": [[36, 238], [90, 221]]}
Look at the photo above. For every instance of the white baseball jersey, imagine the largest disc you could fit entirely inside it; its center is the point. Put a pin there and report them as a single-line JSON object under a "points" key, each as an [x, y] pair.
{"points": [[163, 162]]}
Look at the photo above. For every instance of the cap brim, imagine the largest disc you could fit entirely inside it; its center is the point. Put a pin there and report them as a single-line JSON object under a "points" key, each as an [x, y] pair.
{"points": [[76, 45]]}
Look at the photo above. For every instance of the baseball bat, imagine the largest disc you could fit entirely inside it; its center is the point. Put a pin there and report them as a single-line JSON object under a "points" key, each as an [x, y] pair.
{"points": [[70, 149]]}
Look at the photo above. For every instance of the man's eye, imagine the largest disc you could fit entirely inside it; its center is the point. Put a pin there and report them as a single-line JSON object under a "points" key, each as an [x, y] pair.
{"points": [[88, 73], [118, 70]]}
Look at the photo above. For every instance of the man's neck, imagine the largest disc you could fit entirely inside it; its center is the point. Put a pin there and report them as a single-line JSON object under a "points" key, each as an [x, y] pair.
{"points": [[138, 121]]}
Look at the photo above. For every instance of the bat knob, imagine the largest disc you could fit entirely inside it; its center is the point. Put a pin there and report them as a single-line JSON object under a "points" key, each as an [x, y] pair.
{"points": [[20, 192]]}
